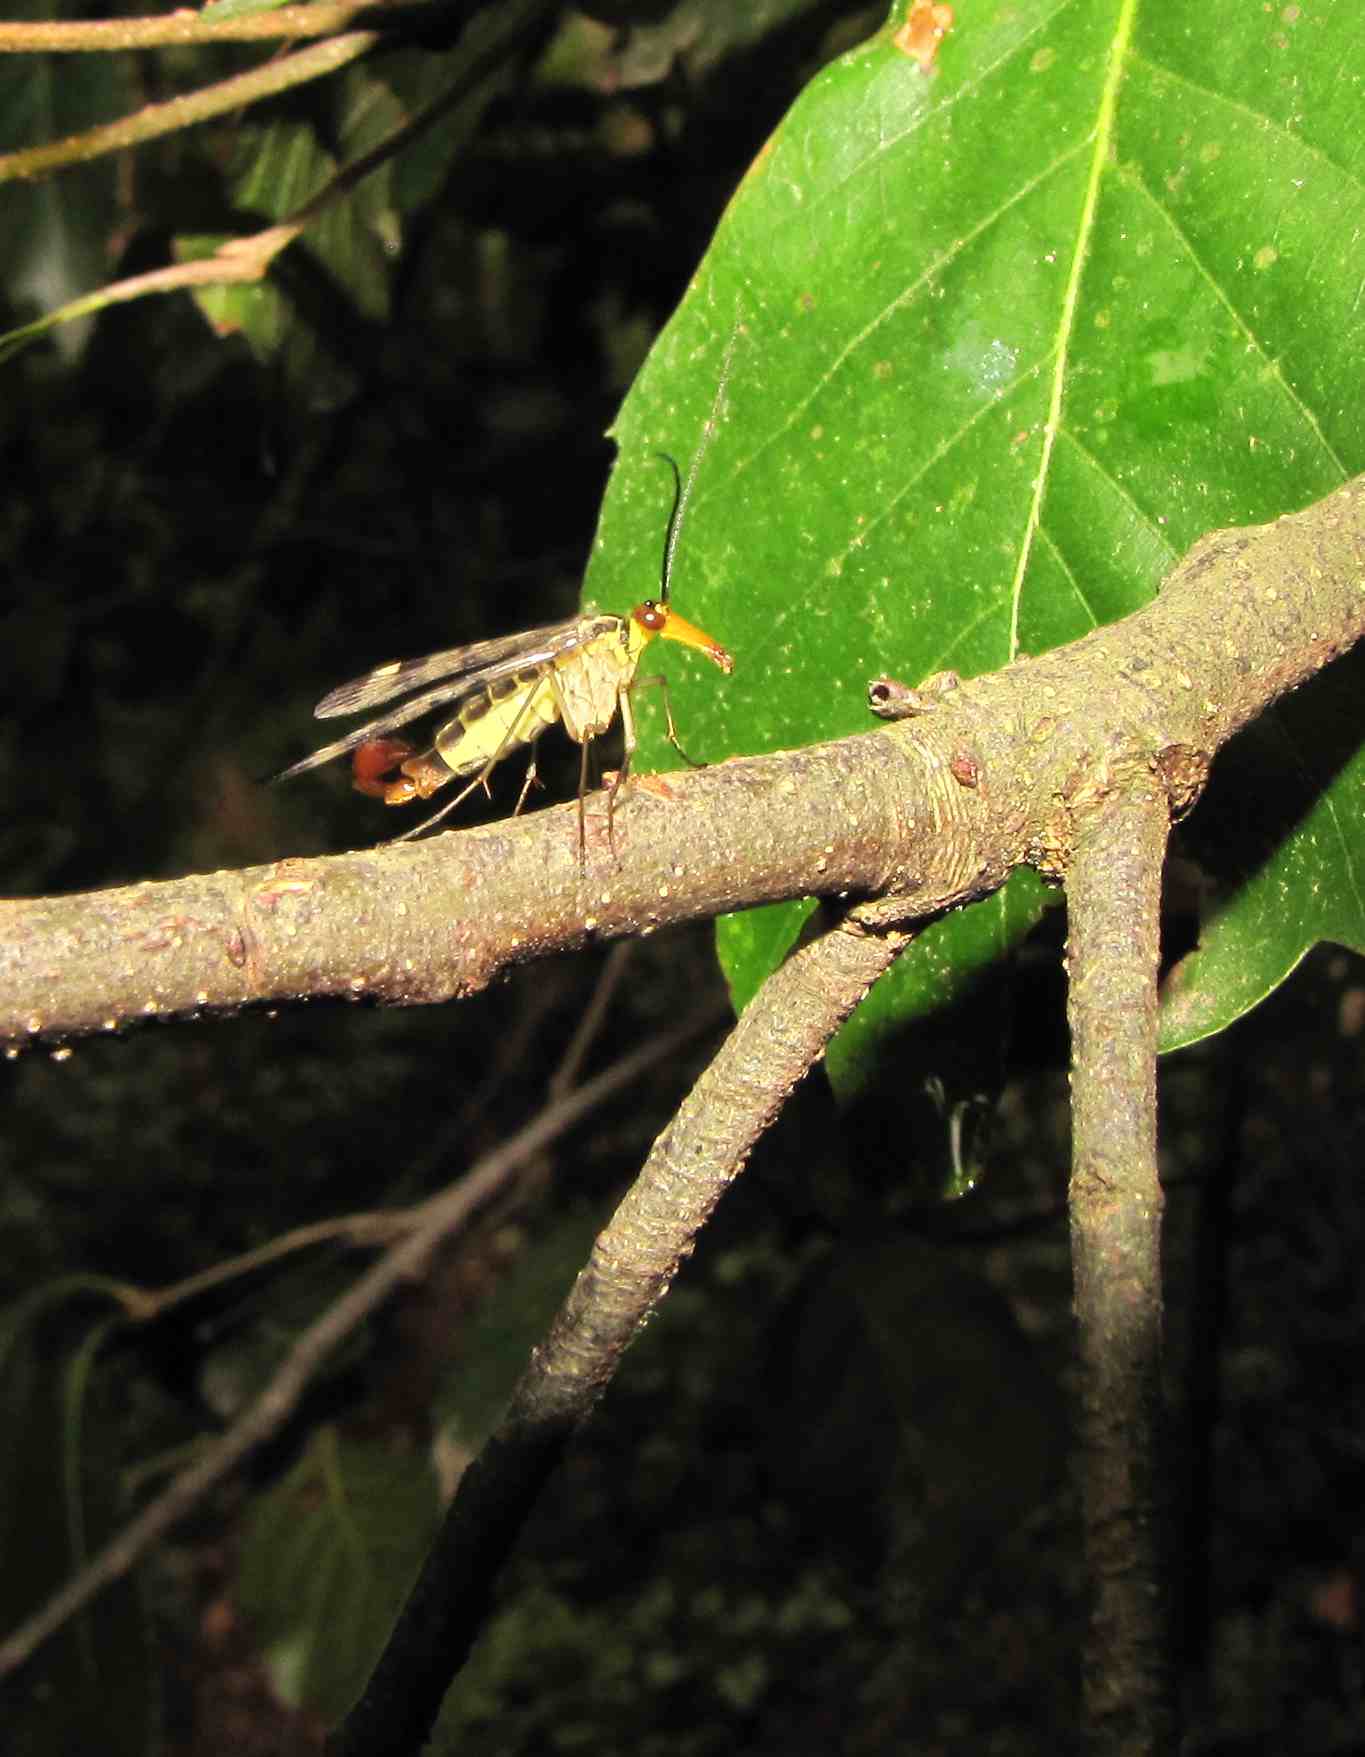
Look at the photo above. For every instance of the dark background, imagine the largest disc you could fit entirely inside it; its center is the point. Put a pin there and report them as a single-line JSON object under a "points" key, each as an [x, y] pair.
{"points": [[825, 1507]]}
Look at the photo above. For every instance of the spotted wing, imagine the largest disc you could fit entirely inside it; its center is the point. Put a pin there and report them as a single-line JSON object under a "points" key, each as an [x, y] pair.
{"points": [[465, 670], [454, 692], [492, 659]]}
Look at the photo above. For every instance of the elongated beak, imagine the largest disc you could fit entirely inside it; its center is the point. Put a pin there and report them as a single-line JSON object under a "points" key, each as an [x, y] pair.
{"points": [[676, 628]]}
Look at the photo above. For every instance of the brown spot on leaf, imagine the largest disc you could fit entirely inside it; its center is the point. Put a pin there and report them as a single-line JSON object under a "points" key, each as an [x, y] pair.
{"points": [[924, 29]]}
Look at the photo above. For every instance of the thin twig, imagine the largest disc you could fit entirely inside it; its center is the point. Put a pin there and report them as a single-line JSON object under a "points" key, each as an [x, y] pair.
{"points": [[143, 1305], [437, 1219], [769, 1051], [185, 26], [508, 26], [246, 260], [154, 120], [512, 1055], [565, 1076]]}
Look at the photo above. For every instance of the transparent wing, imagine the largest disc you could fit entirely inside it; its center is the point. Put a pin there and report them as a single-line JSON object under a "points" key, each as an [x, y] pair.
{"points": [[465, 670], [454, 692], [490, 659]]}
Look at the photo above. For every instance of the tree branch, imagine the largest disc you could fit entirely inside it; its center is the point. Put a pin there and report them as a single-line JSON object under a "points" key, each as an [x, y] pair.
{"points": [[691, 1165], [1073, 761], [929, 813], [428, 1225], [1114, 905]]}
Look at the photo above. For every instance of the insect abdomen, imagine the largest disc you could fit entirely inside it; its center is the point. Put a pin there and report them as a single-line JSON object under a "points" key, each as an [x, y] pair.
{"points": [[513, 711]]}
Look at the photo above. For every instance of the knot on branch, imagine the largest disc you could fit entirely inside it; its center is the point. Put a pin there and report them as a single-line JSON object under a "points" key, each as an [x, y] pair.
{"points": [[1184, 772], [1179, 770]]}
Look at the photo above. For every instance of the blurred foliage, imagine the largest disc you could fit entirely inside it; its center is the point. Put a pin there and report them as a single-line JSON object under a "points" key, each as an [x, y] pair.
{"points": [[93, 1686], [327, 1556], [777, 1533]]}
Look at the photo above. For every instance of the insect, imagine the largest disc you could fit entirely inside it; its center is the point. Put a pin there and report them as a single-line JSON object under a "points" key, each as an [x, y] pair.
{"points": [[505, 692]]}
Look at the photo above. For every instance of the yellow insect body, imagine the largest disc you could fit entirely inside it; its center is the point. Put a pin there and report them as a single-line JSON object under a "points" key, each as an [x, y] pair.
{"points": [[505, 692], [581, 687], [590, 682]]}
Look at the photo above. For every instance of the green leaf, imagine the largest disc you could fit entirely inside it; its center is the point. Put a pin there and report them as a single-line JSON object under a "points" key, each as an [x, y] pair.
{"points": [[91, 1686], [1278, 848], [478, 68], [1014, 334], [253, 309], [936, 975], [329, 1556], [342, 273], [507, 1326], [626, 46], [757, 941], [55, 232]]}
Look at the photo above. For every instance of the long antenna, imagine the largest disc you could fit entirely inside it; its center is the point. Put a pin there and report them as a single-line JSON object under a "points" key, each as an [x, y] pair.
{"points": [[682, 492]]}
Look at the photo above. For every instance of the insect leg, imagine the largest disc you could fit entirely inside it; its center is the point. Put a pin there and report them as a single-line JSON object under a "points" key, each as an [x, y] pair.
{"points": [[582, 729], [629, 741], [528, 783], [509, 738], [582, 816], [446, 809], [662, 682]]}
